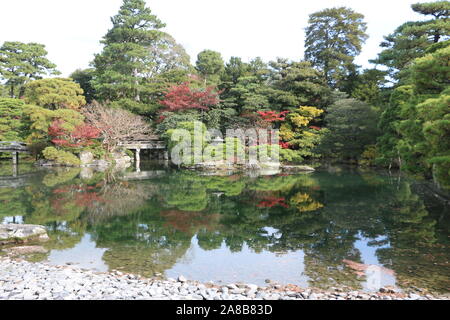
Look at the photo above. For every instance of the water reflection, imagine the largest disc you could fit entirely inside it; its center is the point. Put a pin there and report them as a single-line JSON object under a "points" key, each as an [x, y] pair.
{"points": [[360, 229]]}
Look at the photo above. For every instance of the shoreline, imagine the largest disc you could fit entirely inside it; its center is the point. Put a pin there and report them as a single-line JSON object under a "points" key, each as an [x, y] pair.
{"points": [[22, 280]]}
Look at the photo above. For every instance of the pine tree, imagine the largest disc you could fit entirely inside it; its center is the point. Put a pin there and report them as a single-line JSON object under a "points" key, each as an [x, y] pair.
{"points": [[333, 39], [412, 39], [122, 66], [22, 62]]}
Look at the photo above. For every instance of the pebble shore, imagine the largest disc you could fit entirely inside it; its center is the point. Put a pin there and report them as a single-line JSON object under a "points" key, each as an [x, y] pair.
{"points": [[22, 280]]}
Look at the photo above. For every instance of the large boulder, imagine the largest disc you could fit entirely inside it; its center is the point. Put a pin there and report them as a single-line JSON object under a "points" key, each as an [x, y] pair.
{"points": [[21, 233]]}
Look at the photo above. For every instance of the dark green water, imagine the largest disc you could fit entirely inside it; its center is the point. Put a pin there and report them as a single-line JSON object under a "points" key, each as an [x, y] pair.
{"points": [[363, 229]]}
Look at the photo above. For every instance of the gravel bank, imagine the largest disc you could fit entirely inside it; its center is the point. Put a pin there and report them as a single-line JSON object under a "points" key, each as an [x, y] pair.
{"points": [[22, 280]]}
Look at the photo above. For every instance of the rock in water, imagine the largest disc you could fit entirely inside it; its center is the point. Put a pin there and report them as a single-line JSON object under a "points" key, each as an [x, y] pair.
{"points": [[22, 232]]}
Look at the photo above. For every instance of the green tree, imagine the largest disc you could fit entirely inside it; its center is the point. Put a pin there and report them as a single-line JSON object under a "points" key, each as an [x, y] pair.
{"points": [[55, 93], [12, 124], [243, 89], [293, 84], [438, 28], [334, 38], [123, 65], [435, 113], [352, 127], [84, 78], [387, 142], [210, 66], [369, 87], [412, 39], [424, 122], [166, 55], [21, 62]]}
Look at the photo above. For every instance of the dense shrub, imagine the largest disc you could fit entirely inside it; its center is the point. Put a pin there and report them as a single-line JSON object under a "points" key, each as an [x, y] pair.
{"points": [[61, 157]]}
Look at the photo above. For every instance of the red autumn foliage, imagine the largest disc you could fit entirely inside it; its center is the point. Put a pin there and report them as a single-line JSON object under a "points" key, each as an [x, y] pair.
{"points": [[81, 136], [270, 202], [315, 128], [284, 145], [272, 116], [183, 97]]}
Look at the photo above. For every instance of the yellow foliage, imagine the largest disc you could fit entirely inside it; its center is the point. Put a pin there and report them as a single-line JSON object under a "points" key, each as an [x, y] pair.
{"points": [[311, 112], [286, 132], [304, 115], [305, 203], [300, 121]]}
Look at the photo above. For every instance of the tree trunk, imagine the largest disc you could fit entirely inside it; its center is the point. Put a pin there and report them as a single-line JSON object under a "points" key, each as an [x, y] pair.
{"points": [[437, 37]]}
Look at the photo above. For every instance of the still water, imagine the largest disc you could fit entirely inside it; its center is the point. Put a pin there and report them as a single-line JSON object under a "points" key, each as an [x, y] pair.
{"points": [[362, 229]]}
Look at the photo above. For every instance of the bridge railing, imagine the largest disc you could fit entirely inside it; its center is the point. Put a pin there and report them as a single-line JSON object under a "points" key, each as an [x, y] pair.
{"points": [[13, 146], [15, 143]]}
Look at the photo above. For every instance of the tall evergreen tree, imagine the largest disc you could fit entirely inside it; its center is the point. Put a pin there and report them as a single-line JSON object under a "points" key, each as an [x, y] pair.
{"points": [[122, 67], [210, 65], [244, 86], [333, 39]]}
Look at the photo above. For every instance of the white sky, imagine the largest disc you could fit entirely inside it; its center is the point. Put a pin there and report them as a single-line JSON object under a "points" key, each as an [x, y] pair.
{"points": [[72, 29]]}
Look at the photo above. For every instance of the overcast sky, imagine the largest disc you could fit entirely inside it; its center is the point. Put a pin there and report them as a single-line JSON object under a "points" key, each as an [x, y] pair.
{"points": [[71, 29]]}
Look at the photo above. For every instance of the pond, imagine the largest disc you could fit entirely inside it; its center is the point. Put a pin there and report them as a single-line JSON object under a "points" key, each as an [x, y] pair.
{"points": [[331, 228]]}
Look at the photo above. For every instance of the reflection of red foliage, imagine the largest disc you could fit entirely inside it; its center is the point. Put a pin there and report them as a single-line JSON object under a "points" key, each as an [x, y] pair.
{"points": [[315, 128], [82, 136], [182, 97], [82, 196], [272, 116], [87, 199], [270, 202]]}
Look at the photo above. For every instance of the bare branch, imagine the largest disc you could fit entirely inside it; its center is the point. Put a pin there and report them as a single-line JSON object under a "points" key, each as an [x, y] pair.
{"points": [[117, 125]]}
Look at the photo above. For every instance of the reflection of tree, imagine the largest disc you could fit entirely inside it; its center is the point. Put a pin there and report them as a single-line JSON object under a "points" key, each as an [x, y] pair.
{"points": [[414, 254], [142, 242], [60, 176], [13, 202], [148, 226], [118, 199], [189, 222]]}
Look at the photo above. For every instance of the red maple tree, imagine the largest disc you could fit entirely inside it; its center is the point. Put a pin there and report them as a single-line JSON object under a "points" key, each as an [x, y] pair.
{"points": [[183, 97], [272, 116], [81, 136]]}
